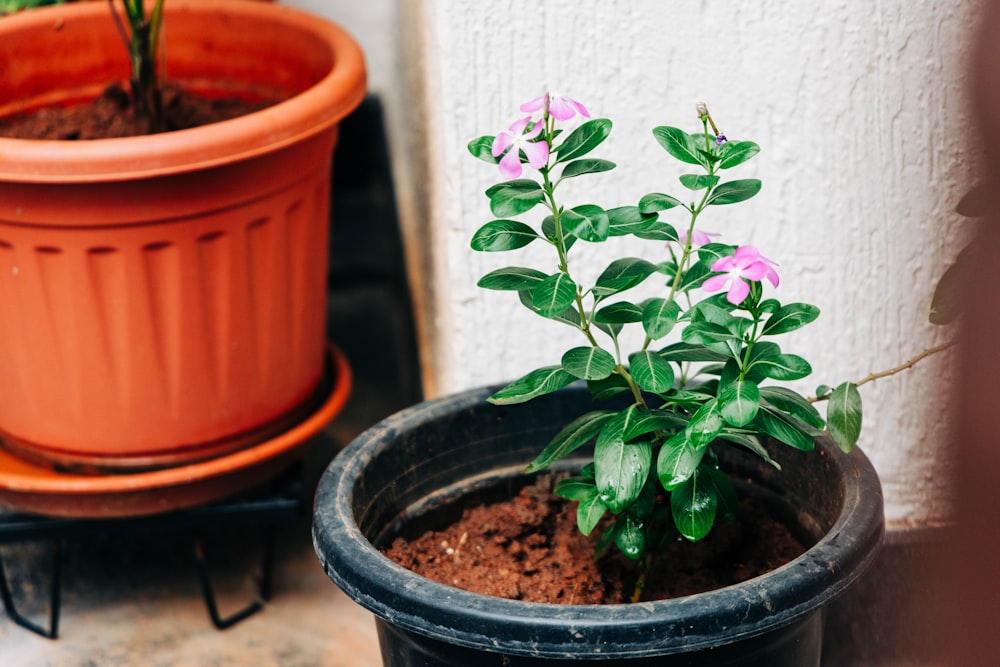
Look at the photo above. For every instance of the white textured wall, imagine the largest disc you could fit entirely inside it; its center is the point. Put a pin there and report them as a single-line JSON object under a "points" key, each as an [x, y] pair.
{"points": [[375, 26], [858, 106]]}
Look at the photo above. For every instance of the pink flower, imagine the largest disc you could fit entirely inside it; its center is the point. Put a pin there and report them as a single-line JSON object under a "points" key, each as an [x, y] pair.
{"points": [[698, 237], [747, 264], [559, 107], [517, 140]]}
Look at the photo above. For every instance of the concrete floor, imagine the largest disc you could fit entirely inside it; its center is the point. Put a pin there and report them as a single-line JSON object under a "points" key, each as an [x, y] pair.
{"points": [[134, 598]]}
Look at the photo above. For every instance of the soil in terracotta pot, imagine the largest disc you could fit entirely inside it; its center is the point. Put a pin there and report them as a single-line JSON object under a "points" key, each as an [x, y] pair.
{"points": [[111, 115], [528, 548]]}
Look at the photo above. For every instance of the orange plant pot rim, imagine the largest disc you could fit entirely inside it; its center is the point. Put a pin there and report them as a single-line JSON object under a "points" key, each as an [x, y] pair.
{"points": [[311, 111], [28, 487]]}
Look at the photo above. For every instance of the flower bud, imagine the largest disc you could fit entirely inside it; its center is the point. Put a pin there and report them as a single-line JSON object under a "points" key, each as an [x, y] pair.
{"points": [[702, 109]]}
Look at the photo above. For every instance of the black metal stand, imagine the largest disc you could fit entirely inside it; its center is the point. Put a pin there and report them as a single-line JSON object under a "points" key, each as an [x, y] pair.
{"points": [[267, 508]]}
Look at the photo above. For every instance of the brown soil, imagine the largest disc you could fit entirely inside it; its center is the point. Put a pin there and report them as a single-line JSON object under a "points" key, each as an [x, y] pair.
{"points": [[529, 548], [111, 115]]}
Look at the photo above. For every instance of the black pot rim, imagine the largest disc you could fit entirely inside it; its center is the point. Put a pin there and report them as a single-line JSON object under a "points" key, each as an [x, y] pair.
{"points": [[752, 608]]}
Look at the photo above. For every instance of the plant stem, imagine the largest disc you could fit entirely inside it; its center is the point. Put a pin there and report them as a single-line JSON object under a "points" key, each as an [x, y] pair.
{"points": [[871, 377], [906, 365], [640, 582]]}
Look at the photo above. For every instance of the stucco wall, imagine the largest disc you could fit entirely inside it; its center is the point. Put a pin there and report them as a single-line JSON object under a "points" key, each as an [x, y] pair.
{"points": [[858, 106]]}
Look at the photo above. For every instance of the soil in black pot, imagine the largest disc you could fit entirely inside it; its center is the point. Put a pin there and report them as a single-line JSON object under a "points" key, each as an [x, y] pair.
{"points": [[111, 115], [528, 548]]}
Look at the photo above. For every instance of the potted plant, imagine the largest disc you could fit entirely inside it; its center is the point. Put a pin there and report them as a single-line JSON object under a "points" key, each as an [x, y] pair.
{"points": [[657, 446], [163, 296]]}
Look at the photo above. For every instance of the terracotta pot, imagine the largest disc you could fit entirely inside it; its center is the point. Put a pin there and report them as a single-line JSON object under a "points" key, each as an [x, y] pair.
{"points": [[162, 298]]}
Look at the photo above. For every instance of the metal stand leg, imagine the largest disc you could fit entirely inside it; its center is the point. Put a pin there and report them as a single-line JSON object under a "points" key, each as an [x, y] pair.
{"points": [[55, 597], [267, 566]]}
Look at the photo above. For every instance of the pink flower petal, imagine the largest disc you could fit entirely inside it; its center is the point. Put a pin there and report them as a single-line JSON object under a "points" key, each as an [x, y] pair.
{"points": [[560, 109], [537, 153], [535, 131], [501, 142], [745, 255], [715, 283], [723, 264], [510, 164], [536, 104], [517, 127], [755, 271], [582, 110], [738, 291], [772, 276]]}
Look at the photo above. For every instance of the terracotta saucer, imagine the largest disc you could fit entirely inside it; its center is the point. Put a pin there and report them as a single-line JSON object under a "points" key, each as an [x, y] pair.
{"points": [[29, 487]]}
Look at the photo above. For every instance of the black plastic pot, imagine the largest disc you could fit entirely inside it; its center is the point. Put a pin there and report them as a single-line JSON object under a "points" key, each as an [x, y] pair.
{"points": [[416, 468]]}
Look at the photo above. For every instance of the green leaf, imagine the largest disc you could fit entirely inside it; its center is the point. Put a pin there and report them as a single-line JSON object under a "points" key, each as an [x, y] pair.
{"points": [[710, 252], [610, 328], [677, 461], [515, 197], [549, 230], [749, 441], [675, 141], [782, 367], [704, 311], [713, 336], [648, 421], [690, 352], [604, 389], [705, 425], [843, 416], [631, 539], [724, 491], [659, 317], [659, 231], [512, 278], [693, 506], [695, 275], [622, 274], [657, 201], [589, 513], [538, 382], [503, 235], [569, 316], [575, 488], [782, 428], [622, 312], [578, 432], [698, 181], [553, 295], [587, 222], [588, 363], [732, 192], [739, 403], [583, 139], [650, 371], [628, 220], [791, 402], [482, 148], [789, 318], [621, 469], [586, 166], [737, 152]]}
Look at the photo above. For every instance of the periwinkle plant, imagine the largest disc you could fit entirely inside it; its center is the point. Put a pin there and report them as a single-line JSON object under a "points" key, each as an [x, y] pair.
{"points": [[709, 371]]}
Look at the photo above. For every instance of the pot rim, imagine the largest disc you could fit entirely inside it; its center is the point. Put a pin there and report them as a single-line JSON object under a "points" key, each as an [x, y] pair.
{"points": [[310, 112], [752, 608]]}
